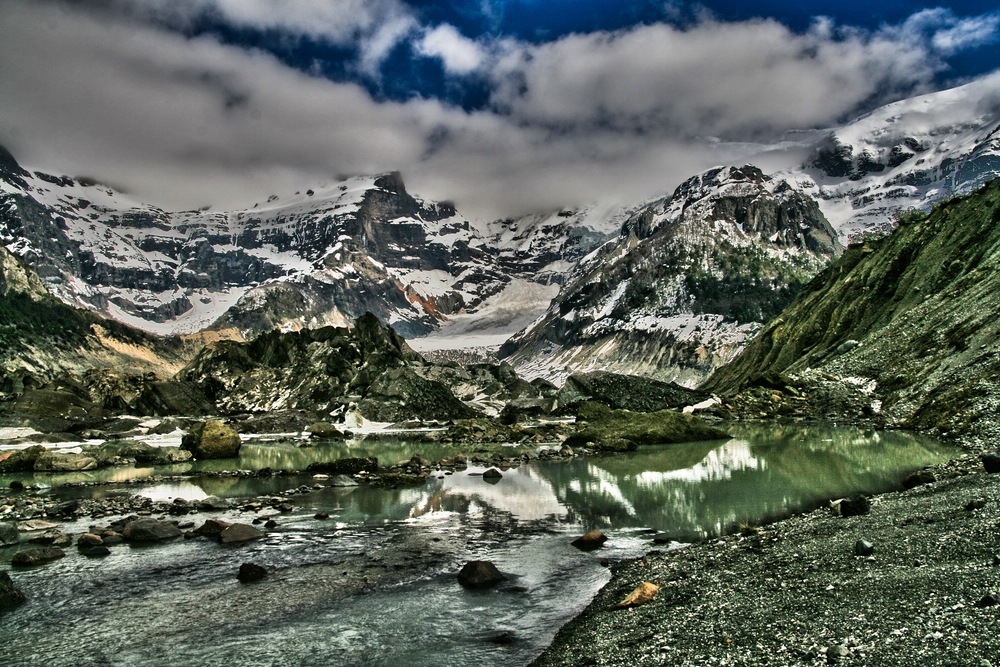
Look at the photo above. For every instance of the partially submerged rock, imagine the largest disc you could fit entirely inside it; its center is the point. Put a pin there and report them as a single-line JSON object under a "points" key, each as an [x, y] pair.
{"points": [[589, 541], [621, 430], [150, 531], [479, 574], [251, 572], [52, 461], [10, 595], [35, 556], [239, 533], [212, 439]]}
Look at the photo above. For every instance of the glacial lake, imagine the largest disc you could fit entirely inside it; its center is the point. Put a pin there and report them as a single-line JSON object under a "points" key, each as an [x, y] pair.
{"points": [[180, 603]]}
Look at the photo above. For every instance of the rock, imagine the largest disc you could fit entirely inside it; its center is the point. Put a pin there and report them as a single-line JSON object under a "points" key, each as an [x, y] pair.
{"points": [[346, 466], [10, 595], [989, 600], [212, 528], [590, 541], [36, 556], [212, 439], [52, 537], [150, 531], [855, 506], [480, 574], [643, 593], [919, 478], [325, 430], [239, 533], [17, 485], [863, 548], [51, 461], [251, 572], [213, 504], [399, 394], [837, 653], [977, 504], [625, 392], [321, 516], [96, 552], [22, 460], [991, 462], [8, 533], [620, 430], [493, 474], [341, 481]]}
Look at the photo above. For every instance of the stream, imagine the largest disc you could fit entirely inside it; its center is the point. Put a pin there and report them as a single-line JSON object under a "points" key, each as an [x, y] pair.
{"points": [[375, 583]]}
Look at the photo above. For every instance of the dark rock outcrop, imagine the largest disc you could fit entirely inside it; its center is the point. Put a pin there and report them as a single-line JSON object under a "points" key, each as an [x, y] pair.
{"points": [[10, 595], [480, 574]]}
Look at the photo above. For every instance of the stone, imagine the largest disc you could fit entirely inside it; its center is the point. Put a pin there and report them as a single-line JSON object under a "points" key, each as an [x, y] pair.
{"points": [[212, 439], [989, 600], [341, 481], [10, 595], [8, 533], [919, 478], [52, 537], [238, 533], [17, 485], [22, 460], [863, 548], [479, 574], [855, 506], [493, 474], [150, 531], [643, 593], [96, 552], [51, 461], [590, 541], [325, 430], [251, 572], [212, 528], [36, 556], [213, 504], [991, 462], [837, 653], [346, 466]]}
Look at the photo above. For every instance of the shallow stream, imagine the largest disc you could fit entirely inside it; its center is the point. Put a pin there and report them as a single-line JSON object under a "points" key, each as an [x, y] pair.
{"points": [[375, 583]]}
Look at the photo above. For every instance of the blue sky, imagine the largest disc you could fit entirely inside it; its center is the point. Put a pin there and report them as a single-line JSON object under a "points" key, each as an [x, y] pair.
{"points": [[504, 106]]}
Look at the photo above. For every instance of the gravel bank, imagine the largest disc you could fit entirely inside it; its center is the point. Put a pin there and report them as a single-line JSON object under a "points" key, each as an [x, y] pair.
{"points": [[796, 593]]}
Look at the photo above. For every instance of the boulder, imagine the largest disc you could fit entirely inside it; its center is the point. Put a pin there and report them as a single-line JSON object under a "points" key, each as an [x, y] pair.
{"points": [[212, 528], [863, 548], [625, 392], [212, 439], [22, 460], [251, 572], [139, 451], [36, 556], [855, 506], [480, 574], [991, 462], [341, 481], [399, 394], [10, 595], [492, 474], [52, 537], [50, 461], [96, 552], [88, 541], [919, 478], [213, 504], [150, 531], [239, 533], [643, 593], [326, 431], [605, 429], [8, 533], [590, 540]]}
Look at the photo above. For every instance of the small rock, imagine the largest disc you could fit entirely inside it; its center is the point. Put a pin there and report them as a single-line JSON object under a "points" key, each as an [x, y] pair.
{"points": [[836, 653], [212, 528], [36, 556], [8, 533], [480, 574], [863, 548], [10, 595], [89, 540], [977, 504], [322, 516], [919, 478], [17, 485], [590, 541], [643, 593], [270, 524], [239, 533], [989, 600], [855, 506], [492, 474], [250, 572], [991, 462], [96, 552]]}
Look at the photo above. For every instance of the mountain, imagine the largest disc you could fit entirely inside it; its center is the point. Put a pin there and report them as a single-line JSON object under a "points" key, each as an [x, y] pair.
{"points": [[902, 156], [912, 320], [312, 258], [41, 337], [687, 281]]}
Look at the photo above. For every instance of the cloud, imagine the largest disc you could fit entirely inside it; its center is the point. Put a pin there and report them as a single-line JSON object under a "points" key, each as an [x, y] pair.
{"points": [[181, 122], [459, 54]]}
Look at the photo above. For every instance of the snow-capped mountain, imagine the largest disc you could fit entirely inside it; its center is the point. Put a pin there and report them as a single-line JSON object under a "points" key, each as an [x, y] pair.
{"points": [[317, 257], [688, 281], [905, 155]]}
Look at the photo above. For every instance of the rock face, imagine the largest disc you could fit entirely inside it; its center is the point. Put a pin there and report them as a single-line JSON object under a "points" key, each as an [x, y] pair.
{"points": [[921, 304], [689, 280], [212, 439]]}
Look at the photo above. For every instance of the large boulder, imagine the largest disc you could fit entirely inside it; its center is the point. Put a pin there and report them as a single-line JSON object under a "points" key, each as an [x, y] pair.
{"points": [[51, 461], [8, 533], [212, 439], [22, 460], [621, 430], [141, 452], [401, 394], [150, 531], [10, 595], [239, 533], [36, 556], [625, 392]]}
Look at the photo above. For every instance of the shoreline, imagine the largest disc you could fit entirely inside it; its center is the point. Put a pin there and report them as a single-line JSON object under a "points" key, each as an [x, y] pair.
{"points": [[797, 592]]}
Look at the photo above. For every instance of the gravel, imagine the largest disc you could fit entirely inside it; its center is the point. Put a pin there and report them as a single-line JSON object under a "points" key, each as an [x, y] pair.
{"points": [[796, 592]]}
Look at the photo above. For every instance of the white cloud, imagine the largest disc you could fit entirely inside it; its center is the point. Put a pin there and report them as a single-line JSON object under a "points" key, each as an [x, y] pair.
{"points": [[459, 54]]}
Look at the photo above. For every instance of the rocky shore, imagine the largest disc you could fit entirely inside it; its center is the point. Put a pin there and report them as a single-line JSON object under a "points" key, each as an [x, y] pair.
{"points": [[914, 581]]}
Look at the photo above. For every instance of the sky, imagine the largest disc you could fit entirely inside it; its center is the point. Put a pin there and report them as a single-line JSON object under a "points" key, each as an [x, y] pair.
{"points": [[504, 107]]}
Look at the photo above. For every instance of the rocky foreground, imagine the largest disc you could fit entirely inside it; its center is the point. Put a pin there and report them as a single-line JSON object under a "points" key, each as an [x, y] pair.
{"points": [[914, 581]]}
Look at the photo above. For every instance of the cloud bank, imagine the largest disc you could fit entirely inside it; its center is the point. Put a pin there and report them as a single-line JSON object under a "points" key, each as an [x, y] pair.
{"points": [[117, 90]]}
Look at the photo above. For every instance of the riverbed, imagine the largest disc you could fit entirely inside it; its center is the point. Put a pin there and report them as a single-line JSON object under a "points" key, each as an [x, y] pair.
{"points": [[375, 584]]}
